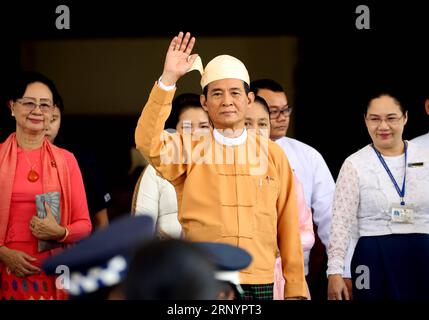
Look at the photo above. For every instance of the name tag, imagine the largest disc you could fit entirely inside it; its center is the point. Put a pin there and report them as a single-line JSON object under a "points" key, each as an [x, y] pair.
{"points": [[416, 164], [402, 214]]}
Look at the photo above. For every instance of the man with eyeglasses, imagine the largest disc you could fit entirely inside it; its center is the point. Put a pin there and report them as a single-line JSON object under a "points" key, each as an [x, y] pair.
{"points": [[423, 140], [309, 166]]}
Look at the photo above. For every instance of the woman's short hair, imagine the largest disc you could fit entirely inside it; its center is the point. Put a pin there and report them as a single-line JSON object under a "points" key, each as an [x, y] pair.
{"points": [[261, 101], [182, 103], [20, 81]]}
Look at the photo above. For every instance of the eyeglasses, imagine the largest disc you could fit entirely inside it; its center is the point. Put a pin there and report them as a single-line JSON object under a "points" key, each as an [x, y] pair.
{"points": [[274, 114], [376, 121], [30, 104]]}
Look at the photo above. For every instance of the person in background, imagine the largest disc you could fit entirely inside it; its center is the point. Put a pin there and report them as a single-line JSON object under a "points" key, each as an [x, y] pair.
{"points": [[125, 262], [423, 140], [156, 196], [98, 264], [98, 198], [258, 119], [382, 202], [228, 261], [202, 270], [309, 167], [31, 166]]}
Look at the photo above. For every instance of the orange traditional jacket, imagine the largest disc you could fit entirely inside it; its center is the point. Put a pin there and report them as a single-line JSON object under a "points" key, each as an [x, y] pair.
{"points": [[223, 198]]}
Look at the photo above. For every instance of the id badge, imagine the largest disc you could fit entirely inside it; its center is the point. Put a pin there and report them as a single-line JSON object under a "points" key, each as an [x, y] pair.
{"points": [[402, 213]]}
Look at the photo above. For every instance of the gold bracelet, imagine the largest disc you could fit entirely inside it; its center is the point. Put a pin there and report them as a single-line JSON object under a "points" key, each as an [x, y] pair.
{"points": [[66, 235]]}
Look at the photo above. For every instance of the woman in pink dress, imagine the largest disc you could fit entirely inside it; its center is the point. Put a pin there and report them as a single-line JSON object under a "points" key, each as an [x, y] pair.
{"points": [[258, 118], [30, 165]]}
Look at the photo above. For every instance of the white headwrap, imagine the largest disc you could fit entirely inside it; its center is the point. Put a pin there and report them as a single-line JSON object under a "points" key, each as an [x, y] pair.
{"points": [[221, 67]]}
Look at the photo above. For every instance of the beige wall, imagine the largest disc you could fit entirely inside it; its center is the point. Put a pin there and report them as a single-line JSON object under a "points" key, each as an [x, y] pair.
{"points": [[114, 76], [100, 76]]}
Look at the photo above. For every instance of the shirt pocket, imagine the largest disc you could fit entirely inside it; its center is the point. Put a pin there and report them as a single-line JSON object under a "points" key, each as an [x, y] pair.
{"points": [[267, 189]]}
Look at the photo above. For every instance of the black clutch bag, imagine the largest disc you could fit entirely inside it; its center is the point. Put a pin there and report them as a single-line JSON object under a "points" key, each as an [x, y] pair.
{"points": [[53, 200]]}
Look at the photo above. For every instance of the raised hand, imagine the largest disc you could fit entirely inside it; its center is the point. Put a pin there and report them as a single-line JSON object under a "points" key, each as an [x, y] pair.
{"points": [[46, 228], [178, 59]]}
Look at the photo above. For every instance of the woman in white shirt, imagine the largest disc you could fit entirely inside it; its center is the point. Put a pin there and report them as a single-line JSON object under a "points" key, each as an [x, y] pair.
{"points": [[156, 196], [382, 202]]}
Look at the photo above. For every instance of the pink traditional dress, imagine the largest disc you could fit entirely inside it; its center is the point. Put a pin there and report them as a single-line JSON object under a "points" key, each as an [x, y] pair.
{"points": [[54, 169], [305, 219]]}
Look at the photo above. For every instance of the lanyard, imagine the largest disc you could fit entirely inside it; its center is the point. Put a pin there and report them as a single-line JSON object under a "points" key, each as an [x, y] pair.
{"points": [[401, 193]]}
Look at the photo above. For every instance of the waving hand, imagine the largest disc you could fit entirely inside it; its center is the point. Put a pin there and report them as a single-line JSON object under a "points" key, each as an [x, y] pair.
{"points": [[178, 59]]}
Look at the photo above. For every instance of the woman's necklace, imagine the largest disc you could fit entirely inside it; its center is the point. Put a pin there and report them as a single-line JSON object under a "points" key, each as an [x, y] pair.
{"points": [[32, 175]]}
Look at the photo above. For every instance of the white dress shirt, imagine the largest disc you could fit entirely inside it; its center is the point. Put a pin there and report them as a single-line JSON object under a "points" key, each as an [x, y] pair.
{"points": [[157, 198], [422, 140], [319, 186]]}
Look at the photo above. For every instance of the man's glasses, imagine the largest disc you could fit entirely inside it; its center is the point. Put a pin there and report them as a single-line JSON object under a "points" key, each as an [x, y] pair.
{"points": [[30, 104], [376, 121], [275, 113]]}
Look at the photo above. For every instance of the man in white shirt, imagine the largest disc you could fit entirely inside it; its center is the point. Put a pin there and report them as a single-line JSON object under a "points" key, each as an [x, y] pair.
{"points": [[423, 140], [307, 163]]}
